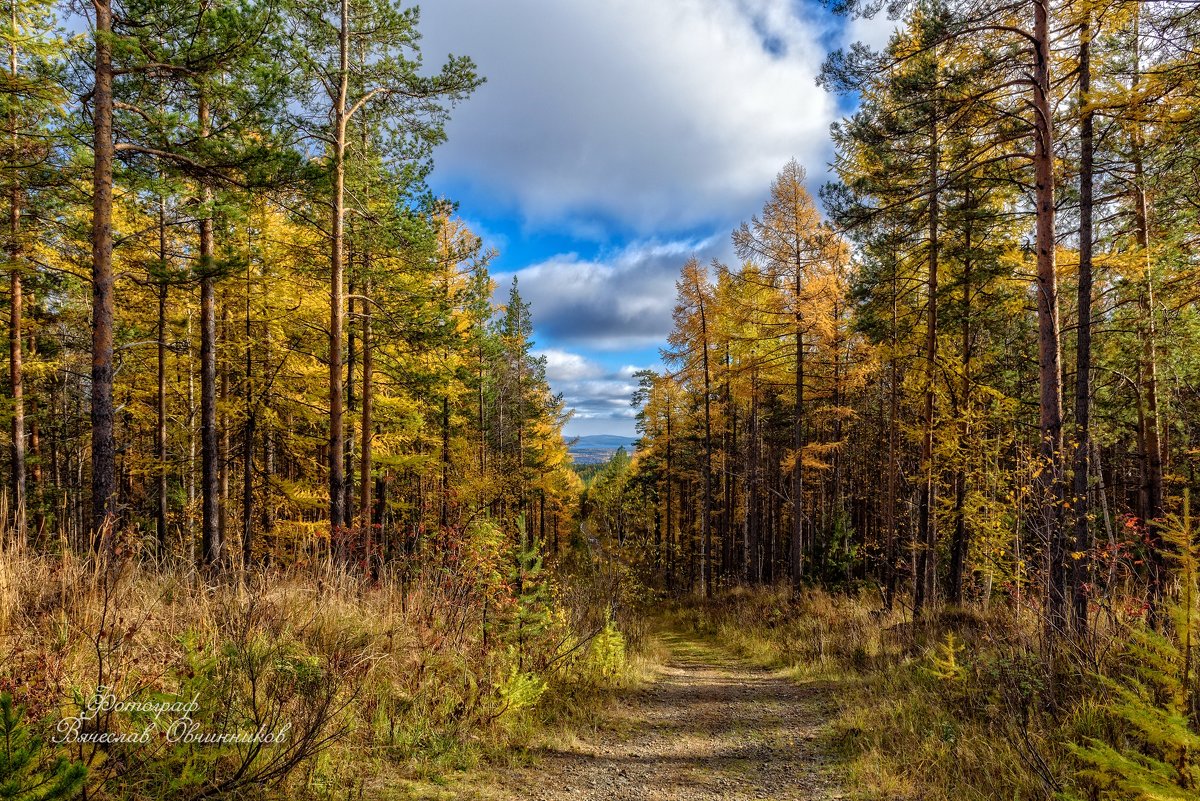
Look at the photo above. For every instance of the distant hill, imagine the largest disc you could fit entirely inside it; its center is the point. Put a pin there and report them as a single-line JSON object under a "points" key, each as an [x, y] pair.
{"points": [[598, 448]]}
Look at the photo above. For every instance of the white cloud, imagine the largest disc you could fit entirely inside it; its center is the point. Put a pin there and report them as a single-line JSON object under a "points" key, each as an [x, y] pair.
{"points": [[662, 114], [617, 301], [563, 366], [875, 31]]}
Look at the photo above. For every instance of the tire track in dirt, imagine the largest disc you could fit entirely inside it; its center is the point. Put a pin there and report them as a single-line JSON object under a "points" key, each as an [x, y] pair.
{"points": [[707, 727]]}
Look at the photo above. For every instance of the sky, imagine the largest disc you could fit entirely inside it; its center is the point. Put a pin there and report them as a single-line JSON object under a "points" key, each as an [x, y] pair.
{"points": [[612, 141]]}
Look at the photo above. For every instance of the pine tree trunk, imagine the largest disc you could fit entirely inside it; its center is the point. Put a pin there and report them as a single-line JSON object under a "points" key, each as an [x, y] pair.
{"points": [[961, 542], [160, 428], [670, 583], [16, 368], [337, 459], [210, 453], [224, 458], [706, 523], [351, 396], [189, 521], [104, 455], [248, 437], [1050, 481], [1152, 451], [797, 549], [892, 546], [367, 433], [1082, 566], [927, 521]]}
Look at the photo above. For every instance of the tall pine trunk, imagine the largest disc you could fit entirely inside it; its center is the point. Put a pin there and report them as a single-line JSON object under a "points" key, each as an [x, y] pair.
{"points": [[16, 323], [706, 523], [1082, 567], [1152, 451], [15, 362], [160, 427], [367, 434], [337, 458], [248, 434], [1050, 474], [927, 521], [104, 454], [961, 542], [210, 454]]}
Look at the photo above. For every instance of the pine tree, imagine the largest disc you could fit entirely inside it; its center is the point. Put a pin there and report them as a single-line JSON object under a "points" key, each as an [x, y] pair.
{"points": [[29, 771], [366, 61]]}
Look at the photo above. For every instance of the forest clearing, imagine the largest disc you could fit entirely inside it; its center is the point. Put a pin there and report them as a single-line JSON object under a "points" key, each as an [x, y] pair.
{"points": [[698, 399]]}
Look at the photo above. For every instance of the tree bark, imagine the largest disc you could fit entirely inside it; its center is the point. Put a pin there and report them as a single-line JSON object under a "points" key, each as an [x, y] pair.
{"points": [[248, 435], [706, 523], [16, 323], [160, 428], [1050, 474], [337, 458], [104, 456], [797, 549], [961, 542], [189, 519], [892, 545], [15, 364], [225, 450], [367, 434], [1082, 564], [210, 455], [1152, 451], [670, 537], [351, 398], [927, 522]]}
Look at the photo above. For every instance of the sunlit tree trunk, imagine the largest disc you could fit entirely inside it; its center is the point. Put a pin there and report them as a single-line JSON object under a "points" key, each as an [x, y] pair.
{"points": [[927, 520], [337, 458]]}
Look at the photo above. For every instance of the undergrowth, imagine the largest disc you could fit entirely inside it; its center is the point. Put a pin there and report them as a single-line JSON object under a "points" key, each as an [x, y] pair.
{"points": [[366, 683]]}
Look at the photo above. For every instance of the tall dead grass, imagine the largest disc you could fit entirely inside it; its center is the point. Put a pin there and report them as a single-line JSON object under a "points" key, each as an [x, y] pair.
{"points": [[368, 677]]}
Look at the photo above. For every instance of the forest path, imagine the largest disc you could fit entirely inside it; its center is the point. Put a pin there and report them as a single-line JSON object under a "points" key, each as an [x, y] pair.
{"points": [[706, 727]]}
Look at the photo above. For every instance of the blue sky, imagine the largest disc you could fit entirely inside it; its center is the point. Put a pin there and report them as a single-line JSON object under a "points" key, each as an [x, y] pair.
{"points": [[613, 140]]}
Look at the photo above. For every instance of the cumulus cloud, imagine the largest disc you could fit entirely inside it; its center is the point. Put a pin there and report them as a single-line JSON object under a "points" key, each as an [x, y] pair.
{"points": [[563, 366], [671, 114], [617, 301]]}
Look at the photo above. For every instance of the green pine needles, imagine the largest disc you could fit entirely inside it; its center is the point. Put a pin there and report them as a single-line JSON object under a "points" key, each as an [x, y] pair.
{"points": [[29, 770], [534, 605], [1152, 755]]}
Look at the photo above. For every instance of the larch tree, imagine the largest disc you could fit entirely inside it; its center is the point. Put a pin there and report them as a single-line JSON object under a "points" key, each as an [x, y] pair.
{"points": [[793, 249]]}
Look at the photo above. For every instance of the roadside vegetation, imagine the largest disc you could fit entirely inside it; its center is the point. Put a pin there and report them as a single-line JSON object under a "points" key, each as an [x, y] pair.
{"points": [[371, 684], [973, 703]]}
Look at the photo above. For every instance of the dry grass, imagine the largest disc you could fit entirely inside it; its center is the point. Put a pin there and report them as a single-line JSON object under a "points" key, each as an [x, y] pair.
{"points": [[408, 682], [915, 723]]}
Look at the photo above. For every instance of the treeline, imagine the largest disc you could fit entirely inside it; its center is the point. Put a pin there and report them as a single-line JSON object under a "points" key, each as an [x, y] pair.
{"points": [[239, 323], [976, 378]]}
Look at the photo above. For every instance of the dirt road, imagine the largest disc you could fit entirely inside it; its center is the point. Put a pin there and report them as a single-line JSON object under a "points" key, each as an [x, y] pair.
{"points": [[708, 727]]}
